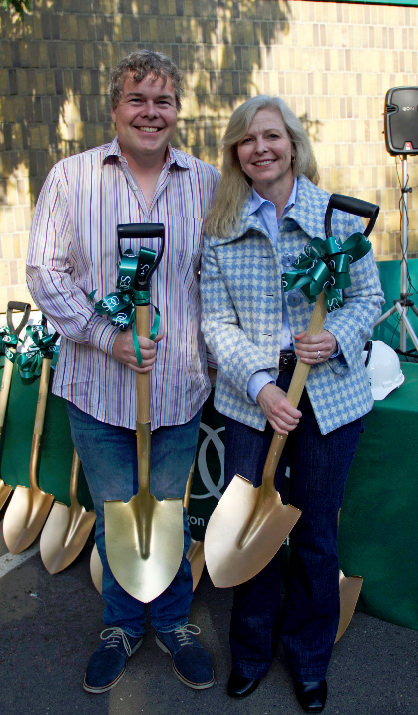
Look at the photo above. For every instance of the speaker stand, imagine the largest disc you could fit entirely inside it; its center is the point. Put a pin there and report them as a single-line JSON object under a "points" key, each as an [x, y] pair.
{"points": [[404, 302]]}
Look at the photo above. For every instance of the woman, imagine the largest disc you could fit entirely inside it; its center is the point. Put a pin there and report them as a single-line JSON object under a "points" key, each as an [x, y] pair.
{"points": [[267, 208]]}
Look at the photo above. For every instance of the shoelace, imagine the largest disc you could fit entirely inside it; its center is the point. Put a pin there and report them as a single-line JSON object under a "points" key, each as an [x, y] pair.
{"points": [[114, 636], [184, 632]]}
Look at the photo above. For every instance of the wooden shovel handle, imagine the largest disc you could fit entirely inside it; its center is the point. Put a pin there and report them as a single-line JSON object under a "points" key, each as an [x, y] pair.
{"points": [[75, 470], [42, 396], [142, 379], [294, 393], [8, 365], [5, 389], [39, 422], [301, 373]]}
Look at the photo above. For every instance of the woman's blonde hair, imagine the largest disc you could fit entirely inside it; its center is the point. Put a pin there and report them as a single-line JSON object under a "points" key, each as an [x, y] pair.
{"points": [[235, 186]]}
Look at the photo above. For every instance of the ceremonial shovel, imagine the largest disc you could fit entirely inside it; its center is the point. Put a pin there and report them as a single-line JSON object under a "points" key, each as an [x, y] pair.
{"points": [[144, 537], [67, 528], [29, 508], [249, 524], [5, 489]]}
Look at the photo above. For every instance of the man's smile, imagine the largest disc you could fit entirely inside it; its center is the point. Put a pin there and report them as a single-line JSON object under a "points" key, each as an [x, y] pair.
{"points": [[150, 130]]}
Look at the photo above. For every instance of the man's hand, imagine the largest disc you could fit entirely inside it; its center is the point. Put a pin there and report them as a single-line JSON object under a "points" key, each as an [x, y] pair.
{"points": [[123, 351], [282, 416]]}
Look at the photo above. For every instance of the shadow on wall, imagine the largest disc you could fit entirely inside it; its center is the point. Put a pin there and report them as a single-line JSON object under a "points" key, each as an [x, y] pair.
{"points": [[57, 63]]}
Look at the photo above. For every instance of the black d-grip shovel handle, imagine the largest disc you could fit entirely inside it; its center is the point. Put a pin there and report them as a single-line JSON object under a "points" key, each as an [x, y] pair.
{"points": [[25, 308], [351, 206], [143, 230]]}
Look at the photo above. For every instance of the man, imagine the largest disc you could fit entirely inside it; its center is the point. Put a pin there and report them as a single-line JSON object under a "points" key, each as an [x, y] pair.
{"points": [[73, 251]]}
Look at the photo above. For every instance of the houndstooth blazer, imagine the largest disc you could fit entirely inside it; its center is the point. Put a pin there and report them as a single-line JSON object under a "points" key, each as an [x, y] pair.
{"points": [[242, 312]]}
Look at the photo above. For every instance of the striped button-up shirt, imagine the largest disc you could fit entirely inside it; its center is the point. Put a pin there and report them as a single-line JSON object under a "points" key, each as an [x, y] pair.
{"points": [[73, 250]]}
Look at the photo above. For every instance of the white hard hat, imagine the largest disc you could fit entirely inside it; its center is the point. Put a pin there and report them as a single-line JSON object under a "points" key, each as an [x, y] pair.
{"points": [[383, 368]]}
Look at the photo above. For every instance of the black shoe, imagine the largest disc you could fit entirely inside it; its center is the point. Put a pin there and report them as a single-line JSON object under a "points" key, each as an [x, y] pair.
{"points": [[311, 695], [239, 687]]}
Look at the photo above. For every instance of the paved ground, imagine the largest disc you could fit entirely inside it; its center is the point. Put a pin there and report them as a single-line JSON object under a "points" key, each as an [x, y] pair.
{"points": [[50, 625]]}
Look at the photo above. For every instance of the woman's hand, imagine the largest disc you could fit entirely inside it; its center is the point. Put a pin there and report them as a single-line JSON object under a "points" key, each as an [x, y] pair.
{"points": [[282, 416], [313, 349], [123, 351]]}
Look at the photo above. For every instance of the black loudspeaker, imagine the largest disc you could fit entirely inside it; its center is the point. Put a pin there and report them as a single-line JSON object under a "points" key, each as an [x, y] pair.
{"points": [[401, 120]]}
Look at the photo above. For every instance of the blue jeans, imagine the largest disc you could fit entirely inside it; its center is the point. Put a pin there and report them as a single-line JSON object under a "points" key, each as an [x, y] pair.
{"points": [[307, 620], [109, 459]]}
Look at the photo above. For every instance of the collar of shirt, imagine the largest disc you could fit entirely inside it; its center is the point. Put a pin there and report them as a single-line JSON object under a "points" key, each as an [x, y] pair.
{"points": [[266, 211], [174, 159], [173, 155]]}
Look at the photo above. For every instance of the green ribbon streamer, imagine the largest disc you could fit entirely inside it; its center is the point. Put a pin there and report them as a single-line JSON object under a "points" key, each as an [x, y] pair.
{"points": [[8, 341], [119, 306], [324, 265], [44, 346]]}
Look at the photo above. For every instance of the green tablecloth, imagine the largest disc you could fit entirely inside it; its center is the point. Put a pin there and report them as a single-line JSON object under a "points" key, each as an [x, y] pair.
{"points": [[378, 528]]}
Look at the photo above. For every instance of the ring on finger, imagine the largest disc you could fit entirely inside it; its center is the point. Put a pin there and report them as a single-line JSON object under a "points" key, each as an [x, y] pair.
{"points": [[318, 357]]}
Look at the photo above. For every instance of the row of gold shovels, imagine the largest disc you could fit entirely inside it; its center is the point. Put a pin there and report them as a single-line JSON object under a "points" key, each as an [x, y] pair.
{"points": [[65, 530]]}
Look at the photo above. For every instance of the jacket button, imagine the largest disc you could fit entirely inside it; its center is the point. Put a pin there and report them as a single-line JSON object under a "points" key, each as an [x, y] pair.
{"points": [[288, 259], [294, 299]]}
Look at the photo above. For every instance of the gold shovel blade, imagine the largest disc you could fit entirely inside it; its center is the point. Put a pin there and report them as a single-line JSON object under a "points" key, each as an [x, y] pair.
{"points": [[24, 518], [350, 587], [232, 559], [29, 508], [195, 555], [64, 535], [144, 564]]}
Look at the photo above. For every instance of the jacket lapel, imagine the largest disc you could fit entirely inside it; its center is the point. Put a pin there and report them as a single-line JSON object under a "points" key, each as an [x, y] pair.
{"points": [[310, 221]]}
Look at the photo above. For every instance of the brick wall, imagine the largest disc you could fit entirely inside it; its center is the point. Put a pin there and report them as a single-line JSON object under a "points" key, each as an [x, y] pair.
{"points": [[332, 62]]}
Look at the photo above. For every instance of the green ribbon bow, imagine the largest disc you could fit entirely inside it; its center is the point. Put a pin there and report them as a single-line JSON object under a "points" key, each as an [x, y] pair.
{"points": [[119, 306], [8, 341], [324, 266], [44, 346]]}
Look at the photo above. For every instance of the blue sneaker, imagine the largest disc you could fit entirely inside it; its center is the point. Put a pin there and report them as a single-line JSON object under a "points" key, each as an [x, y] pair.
{"points": [[108, 663], [191, 662]]}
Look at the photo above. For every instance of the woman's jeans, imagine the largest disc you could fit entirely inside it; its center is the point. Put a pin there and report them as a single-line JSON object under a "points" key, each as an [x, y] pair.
{"points": [[307, 621], [109, 458]]}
